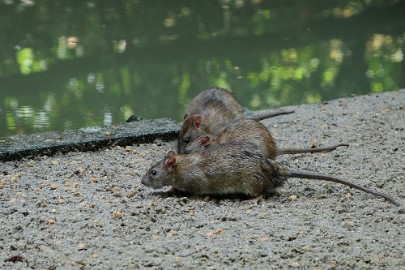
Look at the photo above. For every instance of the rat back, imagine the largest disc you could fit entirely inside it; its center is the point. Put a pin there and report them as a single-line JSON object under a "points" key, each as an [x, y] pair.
{"points": [[217, 99], [208, 112], [244, 130], [229, 168]]}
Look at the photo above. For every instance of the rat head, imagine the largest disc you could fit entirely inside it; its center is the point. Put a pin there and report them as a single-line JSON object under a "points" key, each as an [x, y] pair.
{"points": [[202, 142], [160, 174], [190, 130]]}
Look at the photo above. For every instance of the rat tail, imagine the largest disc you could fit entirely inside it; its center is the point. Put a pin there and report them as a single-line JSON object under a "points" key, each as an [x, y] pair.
{"points": [[340, 181], [268, 115], [289, 151]]}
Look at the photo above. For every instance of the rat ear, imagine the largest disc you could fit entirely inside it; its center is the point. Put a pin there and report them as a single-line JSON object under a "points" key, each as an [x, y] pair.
{"points": [[205, 141], [170, 153], [171, 162], [198, 121]]}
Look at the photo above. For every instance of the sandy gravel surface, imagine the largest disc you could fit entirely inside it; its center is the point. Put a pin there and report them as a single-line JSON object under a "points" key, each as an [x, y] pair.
{"points": [[88, 210]]}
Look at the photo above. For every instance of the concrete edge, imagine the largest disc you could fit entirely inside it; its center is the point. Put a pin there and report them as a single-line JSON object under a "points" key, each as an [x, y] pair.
{"points": [[87, 139], [92, 139]]}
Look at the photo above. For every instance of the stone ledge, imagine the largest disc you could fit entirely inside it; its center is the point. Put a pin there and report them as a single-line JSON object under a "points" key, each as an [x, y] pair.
{"points": [[87, 139]]}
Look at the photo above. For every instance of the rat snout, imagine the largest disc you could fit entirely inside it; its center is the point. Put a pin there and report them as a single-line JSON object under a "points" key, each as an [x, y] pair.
{"points": [[144, 180]]}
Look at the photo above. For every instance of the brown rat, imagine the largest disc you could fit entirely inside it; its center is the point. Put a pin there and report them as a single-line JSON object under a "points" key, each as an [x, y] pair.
{"points": [[230, 168], [250, 131], [209, 112]]}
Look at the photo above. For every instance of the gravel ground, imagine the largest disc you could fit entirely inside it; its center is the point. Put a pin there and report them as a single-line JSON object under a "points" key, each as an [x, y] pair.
{"points": [[88, 210]]}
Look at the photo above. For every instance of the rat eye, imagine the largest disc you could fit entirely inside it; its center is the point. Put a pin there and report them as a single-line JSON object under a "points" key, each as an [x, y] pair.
{"points": [[187, 140], [187, 152], [153, 172]]}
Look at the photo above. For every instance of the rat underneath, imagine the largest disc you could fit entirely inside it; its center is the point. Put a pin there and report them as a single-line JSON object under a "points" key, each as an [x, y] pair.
{"points": [[230, 168]]}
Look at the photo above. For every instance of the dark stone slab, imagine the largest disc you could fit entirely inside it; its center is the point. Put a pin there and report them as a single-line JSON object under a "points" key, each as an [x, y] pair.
{"points": [[87, 139]]}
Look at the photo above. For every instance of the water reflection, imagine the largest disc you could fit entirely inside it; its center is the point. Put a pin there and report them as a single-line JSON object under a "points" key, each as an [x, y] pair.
{"points": [[41, 120], [385, 55], [107, 118], [86, 63]]}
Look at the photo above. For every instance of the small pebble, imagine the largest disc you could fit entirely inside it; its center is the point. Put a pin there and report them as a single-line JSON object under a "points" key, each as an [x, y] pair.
{"points": [[171, 233], [350, 223], [115, 189], [218, 232], [295, 264], [265, 238], [117, 214], [314, 143]]}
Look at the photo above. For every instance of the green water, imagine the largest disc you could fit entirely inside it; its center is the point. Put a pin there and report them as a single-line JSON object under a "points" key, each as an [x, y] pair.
{"points": [[71, 64]]}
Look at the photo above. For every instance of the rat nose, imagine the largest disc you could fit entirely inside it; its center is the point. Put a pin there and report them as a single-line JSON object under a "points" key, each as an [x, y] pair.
{"points": [[144, 180]]}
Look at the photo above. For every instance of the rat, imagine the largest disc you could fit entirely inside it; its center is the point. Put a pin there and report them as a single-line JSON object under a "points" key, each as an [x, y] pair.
{"points": [[232, 168], [209, 111], [246, 130]]}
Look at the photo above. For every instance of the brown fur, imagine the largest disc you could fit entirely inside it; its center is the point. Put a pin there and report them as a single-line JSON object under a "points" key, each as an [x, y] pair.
{"points": [[246, 130], [209, 112], [215, 108], [230, 168], [219, 99]]}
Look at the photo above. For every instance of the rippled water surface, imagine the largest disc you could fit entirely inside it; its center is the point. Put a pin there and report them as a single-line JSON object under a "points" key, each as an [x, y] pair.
{"points": [[71, 64]]}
